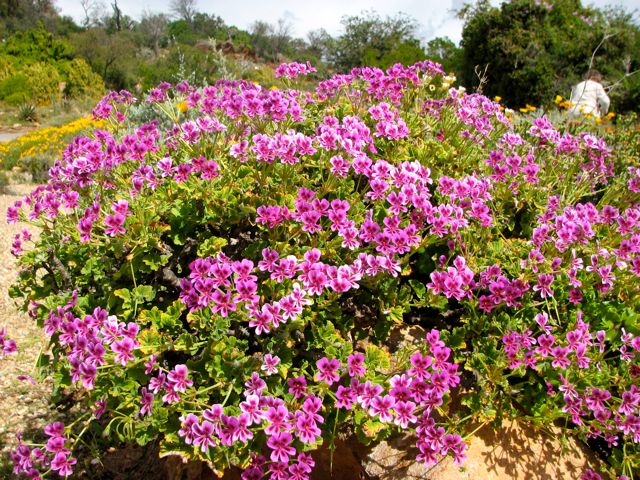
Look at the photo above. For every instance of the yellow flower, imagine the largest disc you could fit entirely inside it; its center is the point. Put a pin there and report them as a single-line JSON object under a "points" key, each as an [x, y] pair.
{"points": [[182, 106], [558, 99], [497, 98]]}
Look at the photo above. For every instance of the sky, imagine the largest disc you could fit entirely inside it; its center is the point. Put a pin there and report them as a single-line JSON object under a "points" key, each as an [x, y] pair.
{"points": [[436, 18]]}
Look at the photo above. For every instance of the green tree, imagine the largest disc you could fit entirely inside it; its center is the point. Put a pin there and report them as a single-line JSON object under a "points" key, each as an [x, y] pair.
{"points": [[111, 55], [445, 52], [369, 39], [16, 15], [528, 51], [154, 29]]}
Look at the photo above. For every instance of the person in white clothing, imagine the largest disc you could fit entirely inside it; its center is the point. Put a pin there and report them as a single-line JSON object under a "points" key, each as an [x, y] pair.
{"points": [[589, 98]]}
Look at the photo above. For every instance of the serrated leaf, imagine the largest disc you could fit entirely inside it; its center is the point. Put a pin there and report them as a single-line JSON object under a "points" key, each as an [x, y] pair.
{"points": [[376, 358], [418, 287], [212, 246]]}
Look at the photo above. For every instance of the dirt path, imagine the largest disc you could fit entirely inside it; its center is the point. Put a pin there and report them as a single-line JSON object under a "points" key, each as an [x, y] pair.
{"points": [[8, 136], [23, 405]]}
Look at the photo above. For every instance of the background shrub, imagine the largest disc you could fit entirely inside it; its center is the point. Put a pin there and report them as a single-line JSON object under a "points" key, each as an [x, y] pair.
{"points": [[43, 82], [80, 80], [16, 90]]}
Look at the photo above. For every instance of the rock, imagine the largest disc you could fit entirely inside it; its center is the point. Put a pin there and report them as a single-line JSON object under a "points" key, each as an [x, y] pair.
{"points": [[395, 460]]}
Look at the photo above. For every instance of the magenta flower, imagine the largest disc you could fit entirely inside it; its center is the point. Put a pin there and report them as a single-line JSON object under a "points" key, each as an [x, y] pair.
{"points": [[251, 407], [254, 385], [306, 428], [280, 445], [270, 364], [114, 224], [178, 380], [381, 406], [187, 430], [146, 402], [327, 370], [123, 349], [356, 365], [63, 464], [7, 345], [544, 284], [404, 414], [277, 418], [297, 386]]}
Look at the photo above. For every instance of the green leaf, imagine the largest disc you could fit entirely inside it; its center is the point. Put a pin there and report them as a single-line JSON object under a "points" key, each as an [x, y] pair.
{"points": [[185, 343], [419, 288], [376, 358], [144, 293], [125, 295], [212, 246]]}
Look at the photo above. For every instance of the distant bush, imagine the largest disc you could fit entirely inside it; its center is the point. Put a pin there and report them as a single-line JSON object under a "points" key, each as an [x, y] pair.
{"points": [[6, 67], [81, 80], [43, 81], [37, 45], [15, 90]]}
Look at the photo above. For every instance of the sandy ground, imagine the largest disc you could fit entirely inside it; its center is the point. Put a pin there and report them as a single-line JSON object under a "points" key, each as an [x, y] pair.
{"points": [[8, 136], [23, 406]]}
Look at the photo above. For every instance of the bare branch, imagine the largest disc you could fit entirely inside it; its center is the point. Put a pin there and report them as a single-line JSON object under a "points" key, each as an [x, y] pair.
{"points": [[482, 77], [57, 265], [615, 84]]}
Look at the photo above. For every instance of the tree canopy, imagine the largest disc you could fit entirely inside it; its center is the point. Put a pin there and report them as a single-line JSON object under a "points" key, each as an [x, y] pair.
{"points": [[371, 40], [530, 51]]}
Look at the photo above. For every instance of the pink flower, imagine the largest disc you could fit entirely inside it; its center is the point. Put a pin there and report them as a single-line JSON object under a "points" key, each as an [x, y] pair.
{"points": [[381, 406], [356, 365], [306, 428], [297, 386], [327, 370], [280, 445], [146, 402], [270, 363], [178, 378], [251, 407], [63, 464], [123, 349], [114, 224], [277, 418], [404, 414]]}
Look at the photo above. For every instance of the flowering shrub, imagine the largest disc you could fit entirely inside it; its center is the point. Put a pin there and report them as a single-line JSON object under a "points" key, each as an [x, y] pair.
{"points": [[37, 150], [227, 284]]}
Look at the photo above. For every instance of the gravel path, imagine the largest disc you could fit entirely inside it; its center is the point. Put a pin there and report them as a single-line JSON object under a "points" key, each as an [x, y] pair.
{"points": [[23, 406]]}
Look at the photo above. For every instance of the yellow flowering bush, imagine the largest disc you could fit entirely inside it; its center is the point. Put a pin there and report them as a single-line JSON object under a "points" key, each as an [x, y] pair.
{"points": [[41, 146]]}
